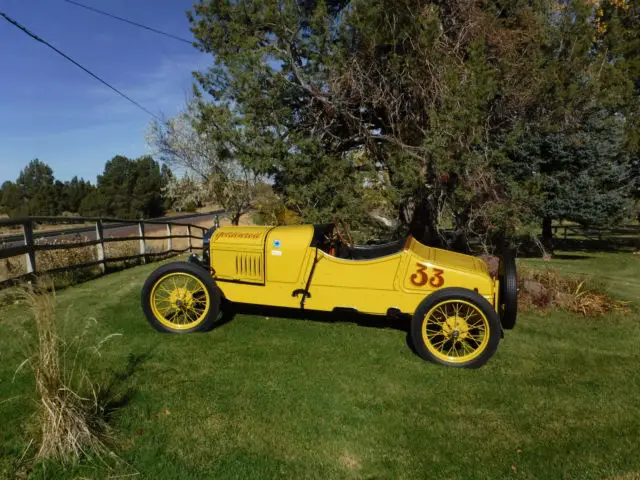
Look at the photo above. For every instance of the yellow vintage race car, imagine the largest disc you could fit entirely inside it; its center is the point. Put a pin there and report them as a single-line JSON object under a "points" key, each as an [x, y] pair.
{"points": [[458, 309]]}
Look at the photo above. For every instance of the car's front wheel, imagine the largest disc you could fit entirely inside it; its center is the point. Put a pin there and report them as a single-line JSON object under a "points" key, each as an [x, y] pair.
{"points": [[180, 297], [456, 327]]}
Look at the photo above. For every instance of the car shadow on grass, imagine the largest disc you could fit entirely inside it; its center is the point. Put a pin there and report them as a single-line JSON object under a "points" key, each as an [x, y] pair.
{"points": [[399, 322]]}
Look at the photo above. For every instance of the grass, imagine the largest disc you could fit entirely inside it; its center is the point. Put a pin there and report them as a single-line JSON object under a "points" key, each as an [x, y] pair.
{"points": [[274, 397]]}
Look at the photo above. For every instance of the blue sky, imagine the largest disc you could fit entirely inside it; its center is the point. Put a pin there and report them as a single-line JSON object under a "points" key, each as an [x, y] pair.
{"points": [[52, 110]]}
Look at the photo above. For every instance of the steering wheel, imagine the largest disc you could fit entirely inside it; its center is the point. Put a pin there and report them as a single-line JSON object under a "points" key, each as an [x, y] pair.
{"points": [[346, 238]]}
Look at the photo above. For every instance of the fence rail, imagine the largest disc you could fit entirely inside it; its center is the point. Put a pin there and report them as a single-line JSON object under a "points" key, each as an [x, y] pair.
{"points": [[109, 223], [94, 236], [566, 232]]}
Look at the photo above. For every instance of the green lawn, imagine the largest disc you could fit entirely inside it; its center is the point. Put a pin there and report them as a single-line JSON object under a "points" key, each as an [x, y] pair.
{"points": [[285, 398]]}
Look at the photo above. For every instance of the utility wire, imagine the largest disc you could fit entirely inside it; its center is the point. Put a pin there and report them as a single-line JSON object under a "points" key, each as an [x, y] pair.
{"points": [[129, 22], [37, 38]]}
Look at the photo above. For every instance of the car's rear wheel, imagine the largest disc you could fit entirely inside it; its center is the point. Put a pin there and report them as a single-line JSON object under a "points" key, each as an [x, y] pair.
{"points": [[456, 327], [180, 297], [508, 295]]}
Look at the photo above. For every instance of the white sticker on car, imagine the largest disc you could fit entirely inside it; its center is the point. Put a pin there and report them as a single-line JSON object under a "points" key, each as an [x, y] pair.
{"points": [[277, 253]]}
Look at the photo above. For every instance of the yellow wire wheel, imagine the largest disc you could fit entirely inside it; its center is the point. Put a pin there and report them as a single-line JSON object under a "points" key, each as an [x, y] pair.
{"points": [[180, 297], [456, 327]]}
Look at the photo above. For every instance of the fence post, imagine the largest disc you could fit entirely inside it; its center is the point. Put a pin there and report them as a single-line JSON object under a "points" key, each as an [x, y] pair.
{"points": [[217, 222], [169, 240], [100, 246], [30, 256], [189, 233], [142, 251]]}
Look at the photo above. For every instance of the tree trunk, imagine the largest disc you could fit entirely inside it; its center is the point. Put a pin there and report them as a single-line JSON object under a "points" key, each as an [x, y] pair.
{"points": [[547, 234], [235, 220], [423, 226], [459, 240]]}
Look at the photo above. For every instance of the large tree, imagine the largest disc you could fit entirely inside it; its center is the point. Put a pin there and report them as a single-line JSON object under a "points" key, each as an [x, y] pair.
{"points": [[583, 172], [619, 36], [420, 101], [413, 87]]}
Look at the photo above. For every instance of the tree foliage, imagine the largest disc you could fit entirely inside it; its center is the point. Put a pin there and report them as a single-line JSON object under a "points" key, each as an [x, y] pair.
{"points": [[128, 188], [185, 193], [425, 104], [583, 171], [73, 192], [202, 140], [33, 193]]}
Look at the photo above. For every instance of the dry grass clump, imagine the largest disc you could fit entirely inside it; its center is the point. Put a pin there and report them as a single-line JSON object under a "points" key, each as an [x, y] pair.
{"points": [[50, 259], [71, 414], [546, 288], [12, 267], [130, 248]]}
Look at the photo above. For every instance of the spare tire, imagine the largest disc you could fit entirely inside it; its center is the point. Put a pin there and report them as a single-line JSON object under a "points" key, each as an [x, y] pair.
{"points": [[507, 275]]}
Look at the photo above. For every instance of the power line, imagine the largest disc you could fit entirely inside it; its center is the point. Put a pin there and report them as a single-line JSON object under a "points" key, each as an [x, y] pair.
{"points": [[37, 38], [151, 29]]}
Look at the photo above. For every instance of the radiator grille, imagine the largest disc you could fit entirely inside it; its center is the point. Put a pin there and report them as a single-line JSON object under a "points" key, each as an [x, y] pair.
{"points": [[249, 266]]}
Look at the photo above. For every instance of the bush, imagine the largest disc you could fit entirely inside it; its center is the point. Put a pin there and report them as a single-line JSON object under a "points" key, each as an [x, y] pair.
{"points": [[190, 207], [546, 288]]}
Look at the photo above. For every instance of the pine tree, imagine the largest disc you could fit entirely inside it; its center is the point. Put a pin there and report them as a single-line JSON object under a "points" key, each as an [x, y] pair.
{"points": [[36, 186], [422, 102]]}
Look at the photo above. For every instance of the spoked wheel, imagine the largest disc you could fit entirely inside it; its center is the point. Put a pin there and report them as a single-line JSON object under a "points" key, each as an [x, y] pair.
{"points": [[456, 327], [180, 297]]}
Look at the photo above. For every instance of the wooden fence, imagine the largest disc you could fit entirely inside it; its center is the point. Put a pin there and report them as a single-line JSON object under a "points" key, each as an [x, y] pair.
{"points": [[93, 236], [568, 232]]}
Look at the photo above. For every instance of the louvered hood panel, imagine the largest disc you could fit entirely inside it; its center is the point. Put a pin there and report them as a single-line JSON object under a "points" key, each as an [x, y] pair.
{"points": [[249, 267], [237, 253]]}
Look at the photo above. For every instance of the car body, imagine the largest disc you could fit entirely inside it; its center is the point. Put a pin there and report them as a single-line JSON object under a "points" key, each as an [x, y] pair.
{"points": [[310, 267], [286, 266]]}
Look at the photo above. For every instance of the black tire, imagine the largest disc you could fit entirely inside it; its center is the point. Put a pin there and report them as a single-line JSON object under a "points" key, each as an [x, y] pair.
{"points": [[191, 269], [494, 330], [508, 277]]}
